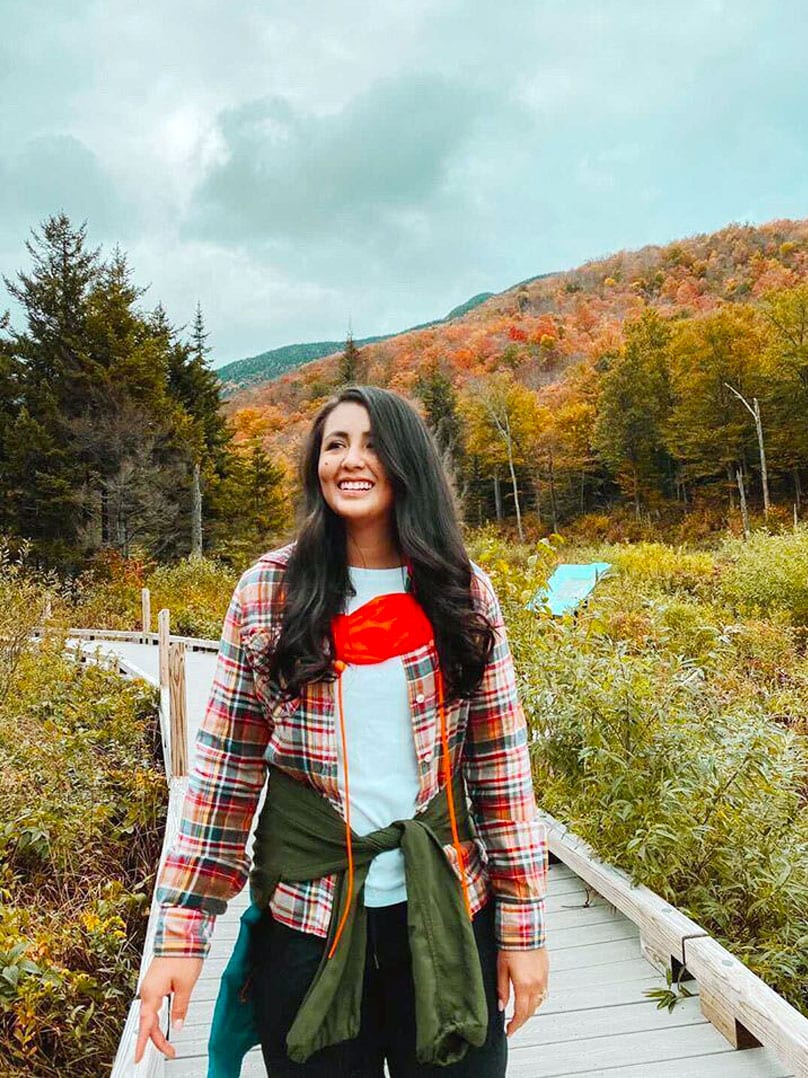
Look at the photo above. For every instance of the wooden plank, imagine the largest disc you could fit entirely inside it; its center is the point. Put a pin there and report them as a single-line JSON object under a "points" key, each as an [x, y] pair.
{"points": [[663, 928], [177, 710], [745, 1008], [568, 889], [588, 934], [593, 955], [549, 1027], [757, 1063], [577, 1056]]}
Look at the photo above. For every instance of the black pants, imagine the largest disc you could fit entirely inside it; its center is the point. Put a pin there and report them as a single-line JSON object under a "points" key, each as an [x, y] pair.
{"points": [[286, 961]]}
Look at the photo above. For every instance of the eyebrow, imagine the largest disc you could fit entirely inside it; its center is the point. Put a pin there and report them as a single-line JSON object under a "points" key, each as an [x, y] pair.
{"points": [[342, 433]]}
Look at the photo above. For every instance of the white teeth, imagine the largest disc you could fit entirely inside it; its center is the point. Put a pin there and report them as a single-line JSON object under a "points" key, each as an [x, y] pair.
{"points": [[354, 486]]}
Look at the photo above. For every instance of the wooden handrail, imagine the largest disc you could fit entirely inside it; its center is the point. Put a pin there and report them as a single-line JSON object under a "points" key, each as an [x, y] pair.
{"points": [[745, 1009]]}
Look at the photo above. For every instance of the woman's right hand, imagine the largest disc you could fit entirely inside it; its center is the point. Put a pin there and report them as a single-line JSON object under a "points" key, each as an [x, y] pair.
{"points": [[165, 975]]}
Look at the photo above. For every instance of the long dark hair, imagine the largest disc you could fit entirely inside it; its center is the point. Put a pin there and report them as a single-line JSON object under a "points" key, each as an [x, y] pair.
{"points": [[426, 532]]}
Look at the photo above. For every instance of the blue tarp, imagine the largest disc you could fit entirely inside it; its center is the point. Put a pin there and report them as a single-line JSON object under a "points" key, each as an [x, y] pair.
{"points": [[568, 587]]}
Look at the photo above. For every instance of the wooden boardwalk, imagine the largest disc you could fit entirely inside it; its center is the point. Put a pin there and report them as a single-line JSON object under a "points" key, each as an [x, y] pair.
{"points": [[597, 1020]]}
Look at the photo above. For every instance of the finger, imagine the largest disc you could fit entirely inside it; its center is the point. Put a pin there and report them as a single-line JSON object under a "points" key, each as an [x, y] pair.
{"points": [[179, 1007], [503, 984], [147, 1016], [159, 1040], [521, 1010], [150, 1030]]}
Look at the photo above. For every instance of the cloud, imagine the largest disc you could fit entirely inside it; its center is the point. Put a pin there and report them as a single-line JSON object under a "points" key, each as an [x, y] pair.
{"points": [[291, 175], [57, 172], [291, 165]]}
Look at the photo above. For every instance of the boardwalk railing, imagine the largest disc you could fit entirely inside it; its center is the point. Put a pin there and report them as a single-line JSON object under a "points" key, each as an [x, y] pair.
{"points": [[738, 1003], [174, 736], [746, 1010]]}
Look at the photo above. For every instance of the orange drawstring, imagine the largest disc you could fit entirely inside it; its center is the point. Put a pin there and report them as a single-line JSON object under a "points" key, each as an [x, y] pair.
{"points": [[339, 666], [447, 772]]}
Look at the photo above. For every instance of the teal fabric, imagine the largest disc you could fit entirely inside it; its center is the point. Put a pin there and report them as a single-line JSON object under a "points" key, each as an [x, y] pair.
{"points": [[301, 836], [568, 587], [234, 1030]]}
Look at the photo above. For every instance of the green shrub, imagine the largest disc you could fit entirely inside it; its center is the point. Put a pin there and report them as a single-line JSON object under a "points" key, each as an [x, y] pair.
{"points": [[697, 796], [668, 730], [77, 860], [667, 567], [197, 592], [767, 574]]}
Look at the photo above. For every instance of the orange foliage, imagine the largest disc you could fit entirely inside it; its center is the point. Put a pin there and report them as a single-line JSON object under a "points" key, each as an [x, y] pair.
{"points": [[548, 330]]}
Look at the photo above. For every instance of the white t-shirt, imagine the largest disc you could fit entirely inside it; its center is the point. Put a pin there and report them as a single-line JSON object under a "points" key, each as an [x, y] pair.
{"points": [[382, 763]]}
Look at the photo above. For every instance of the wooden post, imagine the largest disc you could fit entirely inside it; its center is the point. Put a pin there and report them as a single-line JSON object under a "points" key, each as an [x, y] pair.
{"points": [[163, 622], [176, 707], [145, 610]]}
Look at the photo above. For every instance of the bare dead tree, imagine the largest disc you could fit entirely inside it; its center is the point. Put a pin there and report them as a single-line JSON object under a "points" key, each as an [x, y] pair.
{"points": [[754, 410]]}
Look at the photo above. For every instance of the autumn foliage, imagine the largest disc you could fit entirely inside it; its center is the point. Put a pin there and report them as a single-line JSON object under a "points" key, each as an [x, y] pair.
{"points": [[605, 384]]}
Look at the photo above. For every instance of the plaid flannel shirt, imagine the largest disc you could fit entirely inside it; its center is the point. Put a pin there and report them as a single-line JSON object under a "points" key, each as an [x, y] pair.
{"points": [[247, 730]]}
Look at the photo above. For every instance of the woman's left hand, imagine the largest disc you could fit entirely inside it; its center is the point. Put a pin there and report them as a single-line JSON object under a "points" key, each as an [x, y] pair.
{"points": [[527, 971]]}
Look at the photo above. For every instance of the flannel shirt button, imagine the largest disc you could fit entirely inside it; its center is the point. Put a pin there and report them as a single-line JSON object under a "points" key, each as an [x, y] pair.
{"points": [[419, 699]]}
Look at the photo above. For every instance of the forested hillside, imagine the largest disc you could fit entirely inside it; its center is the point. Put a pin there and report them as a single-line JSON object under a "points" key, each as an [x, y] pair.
{"points": [[619, 382], [271, 364], [616, 399]]}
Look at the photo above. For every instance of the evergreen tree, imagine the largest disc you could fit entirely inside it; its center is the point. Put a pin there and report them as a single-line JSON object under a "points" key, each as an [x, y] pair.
{"points": [[55, 296], [634, 406], [55, 375], [437, 393], [195, 386], [350, 366], [101, 406]]}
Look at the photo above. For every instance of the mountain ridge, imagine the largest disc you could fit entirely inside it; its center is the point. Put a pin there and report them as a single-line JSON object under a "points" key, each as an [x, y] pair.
{"points": [[264, 366]]}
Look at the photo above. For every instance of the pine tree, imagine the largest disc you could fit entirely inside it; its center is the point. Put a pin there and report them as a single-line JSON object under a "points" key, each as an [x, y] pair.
{"points": [[196, 387], [55, 296], [55, 377], [436, 391], [634, 406], [349, 372]]}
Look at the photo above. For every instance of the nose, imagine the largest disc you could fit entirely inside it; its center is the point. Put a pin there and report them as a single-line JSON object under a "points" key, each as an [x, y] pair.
{"points": [[354, 455]]}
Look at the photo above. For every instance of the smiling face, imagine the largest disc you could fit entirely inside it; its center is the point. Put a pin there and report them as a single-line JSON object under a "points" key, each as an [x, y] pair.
{"points": [[352, 477]]}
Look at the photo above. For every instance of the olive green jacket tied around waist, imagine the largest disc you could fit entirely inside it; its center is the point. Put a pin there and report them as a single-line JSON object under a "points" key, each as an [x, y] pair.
{"points": [[300, 836]]}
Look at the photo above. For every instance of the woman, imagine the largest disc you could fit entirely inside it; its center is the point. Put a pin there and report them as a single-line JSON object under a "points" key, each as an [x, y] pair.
{"points": [[399, 864]]}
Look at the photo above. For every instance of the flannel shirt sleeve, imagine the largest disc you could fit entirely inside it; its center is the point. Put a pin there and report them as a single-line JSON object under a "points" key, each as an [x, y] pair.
{"points": [[500, 787], [207, 864]]}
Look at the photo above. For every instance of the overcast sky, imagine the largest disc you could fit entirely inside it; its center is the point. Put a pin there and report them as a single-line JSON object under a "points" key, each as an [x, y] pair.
{"points": [[293, 166]]}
